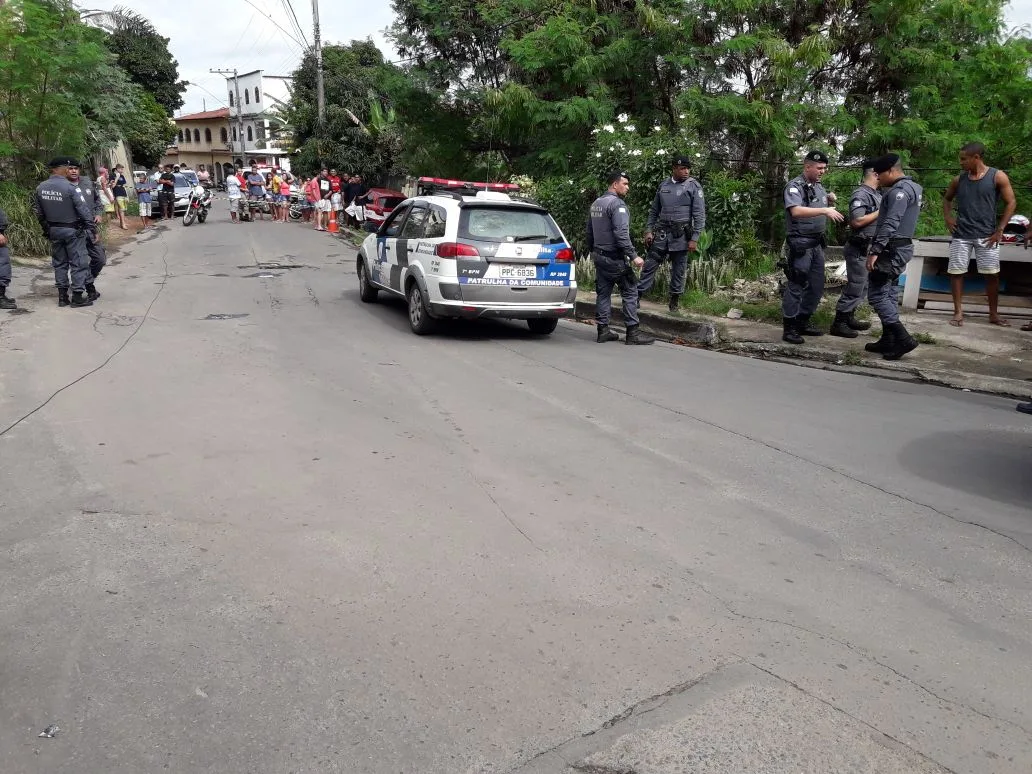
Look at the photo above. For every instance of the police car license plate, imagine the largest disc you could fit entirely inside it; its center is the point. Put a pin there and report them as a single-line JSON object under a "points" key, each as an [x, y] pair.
{"points": [[506, 271]]}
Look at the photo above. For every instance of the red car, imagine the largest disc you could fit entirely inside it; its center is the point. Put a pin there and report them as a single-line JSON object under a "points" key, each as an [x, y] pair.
{"points": [[380, 202]]}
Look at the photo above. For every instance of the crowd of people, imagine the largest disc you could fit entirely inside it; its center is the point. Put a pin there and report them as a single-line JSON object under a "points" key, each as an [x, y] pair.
{"points": [[318, 199]]}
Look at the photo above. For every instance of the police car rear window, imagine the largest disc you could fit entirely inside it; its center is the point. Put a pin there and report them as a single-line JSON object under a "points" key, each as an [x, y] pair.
{"points": [[390, 202], [507, 224]]}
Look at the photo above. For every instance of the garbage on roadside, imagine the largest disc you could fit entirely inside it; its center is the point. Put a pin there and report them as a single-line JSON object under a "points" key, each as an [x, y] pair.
{"points": [[734, 314], [49, 732]]}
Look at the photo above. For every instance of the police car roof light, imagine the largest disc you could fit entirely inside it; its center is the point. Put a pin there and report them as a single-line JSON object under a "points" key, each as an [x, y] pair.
{"points": [[445, 184]]}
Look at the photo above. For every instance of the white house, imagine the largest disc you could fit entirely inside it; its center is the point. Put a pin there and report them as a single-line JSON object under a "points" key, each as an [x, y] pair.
{"points": [[259, 93]]}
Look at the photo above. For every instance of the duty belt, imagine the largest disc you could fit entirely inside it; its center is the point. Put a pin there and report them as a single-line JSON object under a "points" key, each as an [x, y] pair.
{"points": [[900, 241], [64, 225], [608, 254]]}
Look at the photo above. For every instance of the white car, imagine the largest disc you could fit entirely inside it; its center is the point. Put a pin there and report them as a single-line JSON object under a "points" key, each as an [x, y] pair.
{"points": [[459, 252]]}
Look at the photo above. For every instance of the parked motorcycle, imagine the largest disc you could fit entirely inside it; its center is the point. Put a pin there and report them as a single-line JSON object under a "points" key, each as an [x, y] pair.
{"points": [[198, 206]]}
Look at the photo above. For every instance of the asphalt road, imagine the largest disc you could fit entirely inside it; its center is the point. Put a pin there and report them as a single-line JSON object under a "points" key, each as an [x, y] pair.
{"points": [[250, 524]]}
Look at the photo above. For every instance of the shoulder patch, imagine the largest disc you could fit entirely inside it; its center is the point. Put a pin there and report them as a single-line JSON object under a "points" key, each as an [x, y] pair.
{"points": [[793, 189], [621, 209], [857, 203], [900, 195]]}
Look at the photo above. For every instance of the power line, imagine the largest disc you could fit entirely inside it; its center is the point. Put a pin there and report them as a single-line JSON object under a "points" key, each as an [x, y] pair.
{"points": [[275, 23], [289, 6]]}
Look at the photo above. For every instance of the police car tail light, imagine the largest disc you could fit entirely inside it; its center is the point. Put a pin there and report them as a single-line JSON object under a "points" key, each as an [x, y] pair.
{"points": [[456, 250], [565, 255]]}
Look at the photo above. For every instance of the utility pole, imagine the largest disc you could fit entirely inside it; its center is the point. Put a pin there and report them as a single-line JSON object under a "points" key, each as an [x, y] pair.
{"points": [[320, 90], [239, 110]]}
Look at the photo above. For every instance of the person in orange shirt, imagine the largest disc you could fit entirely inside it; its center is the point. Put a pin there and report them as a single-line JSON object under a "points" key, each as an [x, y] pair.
{"points": [[284, 191]]}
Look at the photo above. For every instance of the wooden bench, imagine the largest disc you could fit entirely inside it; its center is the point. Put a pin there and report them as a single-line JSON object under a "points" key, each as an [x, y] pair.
{"points": [[930, 259]]}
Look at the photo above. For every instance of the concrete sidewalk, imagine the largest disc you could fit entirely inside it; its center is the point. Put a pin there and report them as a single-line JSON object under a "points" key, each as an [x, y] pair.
{"points": [[979, 356]]}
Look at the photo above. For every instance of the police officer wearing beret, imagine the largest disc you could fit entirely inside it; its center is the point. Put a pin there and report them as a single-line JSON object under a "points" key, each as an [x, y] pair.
{"points": [[891, 249], [609, 240], [66, 219], [863, 213], [95, 250], [677, 217], [806, 216], [6, 302]]}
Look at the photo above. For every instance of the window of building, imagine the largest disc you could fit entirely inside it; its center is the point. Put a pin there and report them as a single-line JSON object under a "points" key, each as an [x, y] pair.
{"points": [[234, 134], [180, 135], [247, 97], [186, 135], [250, 134], [196, 135], [223, 134], [207, 135], [231, 99], [257, 98]]}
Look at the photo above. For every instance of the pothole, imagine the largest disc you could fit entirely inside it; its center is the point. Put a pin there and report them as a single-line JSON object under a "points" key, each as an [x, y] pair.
{"points": [[225, 316]]}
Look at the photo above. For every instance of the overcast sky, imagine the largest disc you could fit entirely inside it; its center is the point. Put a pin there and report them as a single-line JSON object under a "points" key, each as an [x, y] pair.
{"points": [[253, 41]]}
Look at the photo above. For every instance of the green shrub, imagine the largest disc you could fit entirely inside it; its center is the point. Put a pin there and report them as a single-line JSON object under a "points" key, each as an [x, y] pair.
{"points": [[23, 232]]}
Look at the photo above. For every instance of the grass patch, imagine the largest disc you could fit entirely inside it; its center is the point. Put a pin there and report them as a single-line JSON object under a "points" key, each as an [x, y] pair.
{"points": [[924, 338], [853, 357], [23, 231]]}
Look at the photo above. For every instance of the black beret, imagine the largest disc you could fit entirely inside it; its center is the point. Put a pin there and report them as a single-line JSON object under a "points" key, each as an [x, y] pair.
{"points": [[681, 161], [819, 156], [63, 161], [867, 164], [885, 163]]}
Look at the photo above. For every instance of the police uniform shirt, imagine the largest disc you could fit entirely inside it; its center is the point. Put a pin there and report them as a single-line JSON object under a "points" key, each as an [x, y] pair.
{"points": [[863, 202], [801, 193], [897, 218], [609, 228], [679, 202], [58, 202], [89, 190]]}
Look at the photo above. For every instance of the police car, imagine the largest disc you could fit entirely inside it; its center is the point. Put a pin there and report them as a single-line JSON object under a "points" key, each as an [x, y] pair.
{"points": [[470, 250]]}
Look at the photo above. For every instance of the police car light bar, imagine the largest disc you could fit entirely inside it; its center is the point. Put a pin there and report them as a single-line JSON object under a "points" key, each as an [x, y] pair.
{"points": [[444, 184]]}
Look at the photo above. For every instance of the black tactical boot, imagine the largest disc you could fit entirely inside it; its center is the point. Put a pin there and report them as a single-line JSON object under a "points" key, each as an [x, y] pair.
{"points": [[6, 302], [804, 327], [91, 292], [62, 297], [604, 334], [841, 326], [675, 302], [78, 299], [635, 336], [902, 342], [857, 325], [884, 344], [790, 334]]}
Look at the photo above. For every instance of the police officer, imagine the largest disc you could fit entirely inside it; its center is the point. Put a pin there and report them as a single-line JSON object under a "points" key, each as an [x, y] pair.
{"points": [[863, 213], [806, 217], [6, 302], [677, 217], [609, 240], [95, 250], [891, 249], [67, 220]]}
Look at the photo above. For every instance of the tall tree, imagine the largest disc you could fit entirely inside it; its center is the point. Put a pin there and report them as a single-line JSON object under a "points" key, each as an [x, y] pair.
{"points": [[142, 53]]}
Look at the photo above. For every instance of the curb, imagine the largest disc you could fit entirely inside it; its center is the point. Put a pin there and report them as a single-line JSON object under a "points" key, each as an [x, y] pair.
{"points": [[677, 330], [706, 334]]}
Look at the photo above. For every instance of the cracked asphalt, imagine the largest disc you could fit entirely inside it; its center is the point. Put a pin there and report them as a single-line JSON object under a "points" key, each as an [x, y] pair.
{"points": [[250, 524]]}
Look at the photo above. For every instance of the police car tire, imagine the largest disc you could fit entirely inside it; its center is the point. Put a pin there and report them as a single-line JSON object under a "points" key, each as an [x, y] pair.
{"points": [[366, 290], [419, 316], [542, 326]]}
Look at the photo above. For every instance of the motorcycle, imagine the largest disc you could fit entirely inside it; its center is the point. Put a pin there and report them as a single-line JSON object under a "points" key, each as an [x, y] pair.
{"points": [[198, 206]]}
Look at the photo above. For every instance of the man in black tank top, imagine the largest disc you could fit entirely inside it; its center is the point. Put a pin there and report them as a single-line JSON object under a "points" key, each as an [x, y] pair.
{"points": [[976, 229]]}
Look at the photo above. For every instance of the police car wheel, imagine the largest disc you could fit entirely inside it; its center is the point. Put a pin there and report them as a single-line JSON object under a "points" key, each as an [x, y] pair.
{"points": [[366, 290], [542, 326], [419, 317]]}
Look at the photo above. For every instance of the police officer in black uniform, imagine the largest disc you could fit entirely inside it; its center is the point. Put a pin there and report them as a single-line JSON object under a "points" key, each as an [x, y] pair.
{"points": [[891, 249], [806, 215], [677, 217], [863, 213], [6, 302], [609, 240], [98, 256], [67, 221]]}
